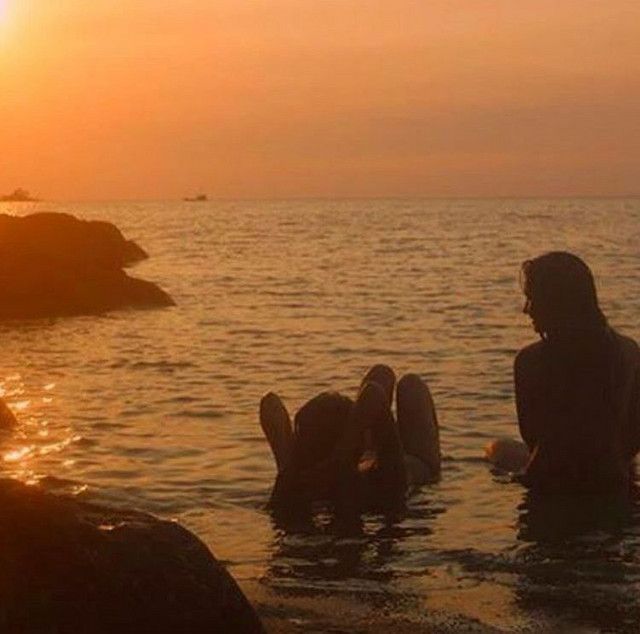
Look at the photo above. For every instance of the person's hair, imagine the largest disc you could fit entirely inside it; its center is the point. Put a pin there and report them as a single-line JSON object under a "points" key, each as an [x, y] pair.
{"points": [[318, 425], [562, 287]]}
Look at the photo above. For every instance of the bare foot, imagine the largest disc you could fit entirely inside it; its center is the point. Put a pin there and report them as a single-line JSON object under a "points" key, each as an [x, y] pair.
{"points": [[418, 428]]}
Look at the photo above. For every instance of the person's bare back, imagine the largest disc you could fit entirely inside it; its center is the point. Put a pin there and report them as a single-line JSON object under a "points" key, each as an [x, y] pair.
{"points": [[577, 388]]}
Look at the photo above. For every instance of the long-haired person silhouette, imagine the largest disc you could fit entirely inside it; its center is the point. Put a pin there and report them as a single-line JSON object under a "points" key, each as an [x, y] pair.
{"points": [[577, 388]]}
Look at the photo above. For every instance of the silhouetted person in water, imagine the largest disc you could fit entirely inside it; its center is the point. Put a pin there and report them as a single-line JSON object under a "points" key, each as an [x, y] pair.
{"points": [[577, 389], [354, 454]]}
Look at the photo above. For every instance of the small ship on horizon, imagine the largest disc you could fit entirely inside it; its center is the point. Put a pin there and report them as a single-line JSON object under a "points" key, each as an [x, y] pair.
{"points": [[18, 196]]}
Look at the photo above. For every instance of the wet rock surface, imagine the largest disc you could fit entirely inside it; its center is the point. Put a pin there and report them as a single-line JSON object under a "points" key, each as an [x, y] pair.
{"points": [[69, 566], [54, 264]]}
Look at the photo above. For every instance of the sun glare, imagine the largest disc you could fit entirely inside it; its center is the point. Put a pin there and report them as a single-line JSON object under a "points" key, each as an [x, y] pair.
{"points": [[4, 14], [7, 23]]}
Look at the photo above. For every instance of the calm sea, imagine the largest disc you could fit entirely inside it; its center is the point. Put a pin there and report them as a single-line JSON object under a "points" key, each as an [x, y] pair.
{"points": [[158, 409]]}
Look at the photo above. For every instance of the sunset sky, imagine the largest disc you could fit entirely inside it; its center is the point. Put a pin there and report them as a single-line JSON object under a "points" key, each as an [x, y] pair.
{"points": [[156, 99]]}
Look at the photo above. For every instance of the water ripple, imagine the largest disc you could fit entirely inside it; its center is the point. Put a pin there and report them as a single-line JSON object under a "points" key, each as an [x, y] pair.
{"points": [[158, 409]]}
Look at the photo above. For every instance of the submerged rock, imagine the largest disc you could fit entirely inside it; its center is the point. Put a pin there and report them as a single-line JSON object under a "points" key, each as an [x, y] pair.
{"points": [[54, 264], [68, 566]]}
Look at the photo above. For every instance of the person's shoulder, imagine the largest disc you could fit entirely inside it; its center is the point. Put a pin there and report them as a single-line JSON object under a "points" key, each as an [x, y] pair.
{"points": [[530, 354], [528, 367], [627, 346]]}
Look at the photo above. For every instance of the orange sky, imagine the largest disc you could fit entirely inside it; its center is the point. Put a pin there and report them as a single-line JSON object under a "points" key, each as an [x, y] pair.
{"points": [[158, 99]]}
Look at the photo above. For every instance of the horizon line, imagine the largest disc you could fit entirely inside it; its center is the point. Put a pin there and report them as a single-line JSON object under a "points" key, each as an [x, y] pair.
{"points": [[327, 198]]}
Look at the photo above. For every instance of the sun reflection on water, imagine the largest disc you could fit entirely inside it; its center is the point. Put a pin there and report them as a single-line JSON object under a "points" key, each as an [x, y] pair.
{"points": [[16, 455], [28, 449]]}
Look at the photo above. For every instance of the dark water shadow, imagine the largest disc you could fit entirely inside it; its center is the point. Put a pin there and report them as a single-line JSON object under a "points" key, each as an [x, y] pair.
{"points": [[580, 563], [317, 550]]}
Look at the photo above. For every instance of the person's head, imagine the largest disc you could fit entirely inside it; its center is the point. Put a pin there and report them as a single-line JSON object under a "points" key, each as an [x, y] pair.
{"points": [[560, 294], [319, 424]]}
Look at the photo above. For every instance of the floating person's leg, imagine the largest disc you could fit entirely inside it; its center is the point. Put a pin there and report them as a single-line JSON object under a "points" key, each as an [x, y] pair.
{"points": [[419, 431], [276, 425], [372, 479], [384, 376], [508, 455], [387, 481], [376, 394]]}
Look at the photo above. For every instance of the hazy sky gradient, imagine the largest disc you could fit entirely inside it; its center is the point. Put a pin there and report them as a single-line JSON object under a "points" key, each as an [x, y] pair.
{"points": [[275, 98]]}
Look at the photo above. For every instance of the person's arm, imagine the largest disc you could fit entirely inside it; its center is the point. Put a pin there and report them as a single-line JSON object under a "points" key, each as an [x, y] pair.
{"points": [[633, 430], [530, 394], [627, 376]]}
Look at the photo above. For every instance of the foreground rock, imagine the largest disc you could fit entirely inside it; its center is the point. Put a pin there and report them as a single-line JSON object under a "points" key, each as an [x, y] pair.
{"points": [[68, 566], [54, 265]]}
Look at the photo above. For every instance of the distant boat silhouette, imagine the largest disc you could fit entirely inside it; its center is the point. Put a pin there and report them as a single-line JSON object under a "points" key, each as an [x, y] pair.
{"points": [[18, 196], [200, 198]]}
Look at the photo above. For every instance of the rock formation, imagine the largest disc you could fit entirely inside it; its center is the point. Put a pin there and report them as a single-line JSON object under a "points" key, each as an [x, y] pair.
{"points": [[53, 264], [67, 566]]}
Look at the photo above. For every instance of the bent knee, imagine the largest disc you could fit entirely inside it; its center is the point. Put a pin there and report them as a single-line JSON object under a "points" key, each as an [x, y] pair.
{"points": [[372, 395], [269, 404], [382, 375], [414, 397], [411, 382]]}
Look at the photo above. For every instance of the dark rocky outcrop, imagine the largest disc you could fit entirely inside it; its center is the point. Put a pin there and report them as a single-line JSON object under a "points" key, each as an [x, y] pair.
{"points": [[68, 566], [53, 264]]}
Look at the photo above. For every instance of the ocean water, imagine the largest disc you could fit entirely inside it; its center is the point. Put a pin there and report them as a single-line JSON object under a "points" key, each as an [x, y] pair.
{"points": [[157, 409]]}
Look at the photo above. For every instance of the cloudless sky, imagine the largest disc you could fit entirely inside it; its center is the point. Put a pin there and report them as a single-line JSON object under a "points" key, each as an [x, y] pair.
{"points": [[157, 99]]}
